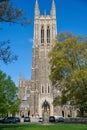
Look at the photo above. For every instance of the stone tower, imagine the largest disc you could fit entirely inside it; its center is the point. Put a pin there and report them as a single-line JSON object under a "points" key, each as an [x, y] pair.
{"points": [[38, 93], [44, 36]]}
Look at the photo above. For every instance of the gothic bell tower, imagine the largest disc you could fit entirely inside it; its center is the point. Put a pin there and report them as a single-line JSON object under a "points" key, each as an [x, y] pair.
{"points": [[37, 94], [45, 31], [44, 26]]}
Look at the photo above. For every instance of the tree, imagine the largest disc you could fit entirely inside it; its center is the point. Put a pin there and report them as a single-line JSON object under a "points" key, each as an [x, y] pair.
{"points": [[9, 103], [6, 54], [10, 14], [15, 107], [68, 60]]}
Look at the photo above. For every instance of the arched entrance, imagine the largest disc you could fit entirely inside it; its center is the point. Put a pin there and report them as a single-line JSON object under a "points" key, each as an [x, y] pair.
{"points": [[45, 107]]}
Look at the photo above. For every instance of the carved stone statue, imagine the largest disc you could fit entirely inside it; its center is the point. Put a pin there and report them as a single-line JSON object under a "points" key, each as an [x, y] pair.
{"points": [[45, 105], [45, 114]]}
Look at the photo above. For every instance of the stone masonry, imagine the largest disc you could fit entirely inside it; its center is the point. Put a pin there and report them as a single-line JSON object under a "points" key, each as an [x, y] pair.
{"points": [[34, 92]]}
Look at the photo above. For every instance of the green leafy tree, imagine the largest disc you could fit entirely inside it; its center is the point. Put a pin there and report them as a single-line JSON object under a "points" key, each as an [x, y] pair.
{"points": [[68, 60], [8, 95], [15, 107]]}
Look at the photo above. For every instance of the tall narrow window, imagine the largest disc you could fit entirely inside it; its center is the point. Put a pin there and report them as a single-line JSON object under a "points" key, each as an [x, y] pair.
{"points": [[42, 89], [42, 34], [48, 34], [48, 89], [28, 91]]}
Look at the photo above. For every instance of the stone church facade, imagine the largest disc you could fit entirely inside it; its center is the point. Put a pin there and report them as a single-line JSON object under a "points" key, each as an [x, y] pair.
{"points": [[35, 92]]}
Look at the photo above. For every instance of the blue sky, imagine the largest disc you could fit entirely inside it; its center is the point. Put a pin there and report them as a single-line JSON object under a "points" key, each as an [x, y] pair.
{"points": [[71, 17]]}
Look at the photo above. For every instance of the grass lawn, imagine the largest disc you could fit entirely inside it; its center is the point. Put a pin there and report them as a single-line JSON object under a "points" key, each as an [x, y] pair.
{"points": [[59, 126]]}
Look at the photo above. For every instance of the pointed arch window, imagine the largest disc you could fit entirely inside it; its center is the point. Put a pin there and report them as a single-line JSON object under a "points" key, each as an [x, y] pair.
{"points": [[48, 34], [42, 89], [48, 89], [42, 34], [28, 90]]}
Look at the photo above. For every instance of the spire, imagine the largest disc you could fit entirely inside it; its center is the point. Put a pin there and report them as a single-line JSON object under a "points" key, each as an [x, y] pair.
{"points": [[44, 12], [37, 12], [37, 3], [53, 2], [53, 10]]}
